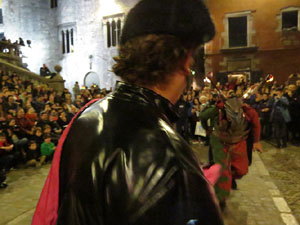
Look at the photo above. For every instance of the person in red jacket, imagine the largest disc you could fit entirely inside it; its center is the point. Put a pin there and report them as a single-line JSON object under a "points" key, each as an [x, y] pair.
{"points": [[25, 123], [253, 140]]}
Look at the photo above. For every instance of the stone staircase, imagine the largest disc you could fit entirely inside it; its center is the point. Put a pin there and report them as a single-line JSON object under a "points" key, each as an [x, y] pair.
{"points": [[10, 61]]}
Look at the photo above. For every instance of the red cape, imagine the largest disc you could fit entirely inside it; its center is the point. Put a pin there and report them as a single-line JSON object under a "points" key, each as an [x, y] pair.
{"points": [[47, 207]]}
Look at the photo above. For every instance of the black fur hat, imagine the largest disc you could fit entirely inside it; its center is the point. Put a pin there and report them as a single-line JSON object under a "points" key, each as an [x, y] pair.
{"points": [[189, 20]]}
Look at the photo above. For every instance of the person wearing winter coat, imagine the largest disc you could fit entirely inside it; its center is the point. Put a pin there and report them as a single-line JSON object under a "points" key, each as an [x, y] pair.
{"points": [[279, 118]]}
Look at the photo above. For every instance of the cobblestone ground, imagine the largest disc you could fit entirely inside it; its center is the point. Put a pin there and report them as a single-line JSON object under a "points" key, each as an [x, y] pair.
{"points": [[18, 200], [258, 200], [284, 168]]}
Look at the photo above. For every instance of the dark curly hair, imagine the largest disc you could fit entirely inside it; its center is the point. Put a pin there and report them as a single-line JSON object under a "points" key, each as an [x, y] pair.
{"points": [[149, 59]]}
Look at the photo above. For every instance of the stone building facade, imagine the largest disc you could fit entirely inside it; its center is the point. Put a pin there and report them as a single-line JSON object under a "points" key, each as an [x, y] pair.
{"points": [[255, 38], [79, 35]]}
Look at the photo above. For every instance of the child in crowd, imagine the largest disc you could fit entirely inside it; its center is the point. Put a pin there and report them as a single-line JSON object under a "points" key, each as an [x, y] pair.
{"points": [[33, 155], [55, 128], [48, 131], [47, 149], [38, 138]]}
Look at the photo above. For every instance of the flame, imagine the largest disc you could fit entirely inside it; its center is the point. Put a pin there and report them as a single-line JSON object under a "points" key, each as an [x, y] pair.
{"points": [[210, 75], [206, 80], [270, 78]]}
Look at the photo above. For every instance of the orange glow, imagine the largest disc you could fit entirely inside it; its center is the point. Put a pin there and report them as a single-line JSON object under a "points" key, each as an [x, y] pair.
{"points": [[206, 80], [210, 76], [269, 78]]}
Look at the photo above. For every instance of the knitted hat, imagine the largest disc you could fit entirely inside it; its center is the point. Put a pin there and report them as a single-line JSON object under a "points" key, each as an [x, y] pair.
{"points": [[188, 20]]}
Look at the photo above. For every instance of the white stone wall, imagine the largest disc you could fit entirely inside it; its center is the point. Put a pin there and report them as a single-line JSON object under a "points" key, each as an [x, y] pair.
{"points": [[35, 20], [90, 39]]}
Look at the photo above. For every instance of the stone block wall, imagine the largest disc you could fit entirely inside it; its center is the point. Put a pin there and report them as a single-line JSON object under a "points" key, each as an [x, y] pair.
{"points": [[90, 51]]}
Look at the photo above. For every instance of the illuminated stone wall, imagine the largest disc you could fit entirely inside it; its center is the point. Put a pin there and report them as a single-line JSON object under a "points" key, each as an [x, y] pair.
{"points": [[32, 20], [82, 16], [35, 20]]}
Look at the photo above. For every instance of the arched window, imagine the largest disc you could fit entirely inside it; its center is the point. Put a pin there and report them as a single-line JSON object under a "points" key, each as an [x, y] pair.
{"points": [[119, 25], [68, 41], [108, 34], [1, 35], [1, 17], [63, 42], [53, 3], [72, 37], [68, 37], [114, 33], [113, 29]]}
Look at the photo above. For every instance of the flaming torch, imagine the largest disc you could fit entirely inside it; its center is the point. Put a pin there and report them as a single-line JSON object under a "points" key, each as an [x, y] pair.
{"points": [[209, 77], [252, 90], [269, 78], [206, 80]]}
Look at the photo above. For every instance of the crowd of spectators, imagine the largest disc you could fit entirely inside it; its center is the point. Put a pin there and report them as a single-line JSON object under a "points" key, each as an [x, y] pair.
{"points": [[32, 118], [278, 107]]}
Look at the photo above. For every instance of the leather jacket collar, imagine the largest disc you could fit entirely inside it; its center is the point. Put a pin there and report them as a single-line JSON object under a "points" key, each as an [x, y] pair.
{"points": [[147, 96]]}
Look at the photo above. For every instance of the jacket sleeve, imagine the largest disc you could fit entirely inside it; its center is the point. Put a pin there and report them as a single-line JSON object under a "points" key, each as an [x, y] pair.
{"points": [[253, 119], [209, 113]]}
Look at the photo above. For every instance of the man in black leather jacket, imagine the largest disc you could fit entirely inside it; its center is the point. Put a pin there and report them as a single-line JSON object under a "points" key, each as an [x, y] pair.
{"points": [[121, 161]]}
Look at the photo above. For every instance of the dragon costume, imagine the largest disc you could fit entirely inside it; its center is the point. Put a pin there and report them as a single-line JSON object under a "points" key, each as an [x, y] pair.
{"points": [[233, 121]]}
